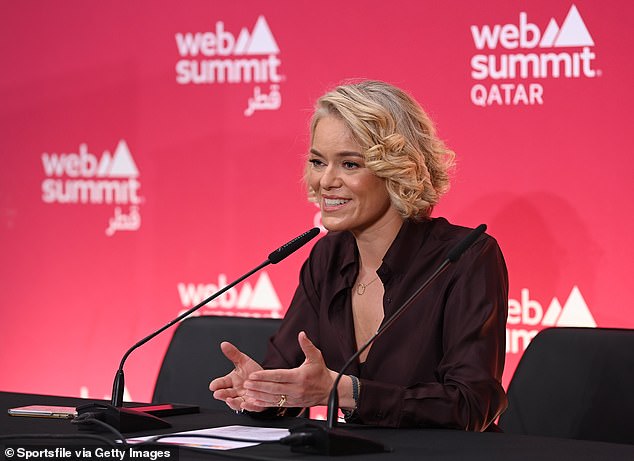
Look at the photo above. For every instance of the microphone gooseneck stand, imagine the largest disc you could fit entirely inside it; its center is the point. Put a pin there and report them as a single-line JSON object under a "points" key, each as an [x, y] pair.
{"points": [[135, 419], [330, 440]]}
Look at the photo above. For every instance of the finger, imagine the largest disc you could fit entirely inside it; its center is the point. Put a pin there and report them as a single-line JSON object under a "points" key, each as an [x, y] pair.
{"points": [[220, 383], [310, 350], [225, 394], [233, 353], [274, 376], [252, 406], [235, 403], [267, 402], [272, 389], [262, 398]]}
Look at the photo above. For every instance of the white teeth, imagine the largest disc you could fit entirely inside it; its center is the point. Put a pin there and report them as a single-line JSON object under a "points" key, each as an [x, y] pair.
{"points": [[334, 202]]}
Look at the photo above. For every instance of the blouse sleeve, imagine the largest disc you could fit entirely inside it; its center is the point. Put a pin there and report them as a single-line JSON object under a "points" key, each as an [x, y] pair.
{"points": [[283, 349], [302, 315]]}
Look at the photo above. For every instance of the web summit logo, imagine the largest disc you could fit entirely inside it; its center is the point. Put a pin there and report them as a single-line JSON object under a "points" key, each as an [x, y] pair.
{"points": [[253, 301], [555, 52], [209, 58], [525, 315], [80, 178]]}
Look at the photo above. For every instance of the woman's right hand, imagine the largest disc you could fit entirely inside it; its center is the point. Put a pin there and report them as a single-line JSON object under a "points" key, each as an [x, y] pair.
{"points": [[229, 388]]}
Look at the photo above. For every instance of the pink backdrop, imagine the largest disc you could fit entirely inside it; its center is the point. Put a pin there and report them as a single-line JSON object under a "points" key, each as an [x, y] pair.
{"points": [[152, 151]]}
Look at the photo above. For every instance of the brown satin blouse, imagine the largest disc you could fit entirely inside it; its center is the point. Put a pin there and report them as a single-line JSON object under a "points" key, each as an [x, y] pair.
{"points": [[440, 364]]}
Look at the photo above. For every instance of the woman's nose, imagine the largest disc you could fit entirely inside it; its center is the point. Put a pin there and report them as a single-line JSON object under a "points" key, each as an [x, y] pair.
{"points": [[330, 178]]}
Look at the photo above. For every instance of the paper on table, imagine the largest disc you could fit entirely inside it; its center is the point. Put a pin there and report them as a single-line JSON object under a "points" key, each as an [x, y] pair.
{"points": [[243, 432]]}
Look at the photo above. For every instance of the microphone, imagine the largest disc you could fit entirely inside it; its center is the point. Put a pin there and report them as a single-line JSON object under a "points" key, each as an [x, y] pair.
{"points": [[332, 441], [291, 247], [137, 422], [471, 237]]}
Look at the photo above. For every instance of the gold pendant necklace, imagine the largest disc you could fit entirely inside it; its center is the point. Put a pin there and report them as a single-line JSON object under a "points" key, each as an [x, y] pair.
{"points": [[362, 286]]}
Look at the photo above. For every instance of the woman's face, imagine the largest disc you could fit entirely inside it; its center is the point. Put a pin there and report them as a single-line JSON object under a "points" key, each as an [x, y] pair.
{"points": [[350, 196]]}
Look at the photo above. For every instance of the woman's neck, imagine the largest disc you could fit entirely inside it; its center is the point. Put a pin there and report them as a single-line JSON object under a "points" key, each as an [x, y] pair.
{"points": [[374, 243]]}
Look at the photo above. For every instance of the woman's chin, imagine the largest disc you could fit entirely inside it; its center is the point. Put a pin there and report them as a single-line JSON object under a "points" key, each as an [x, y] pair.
{"points": [[333, 225]]}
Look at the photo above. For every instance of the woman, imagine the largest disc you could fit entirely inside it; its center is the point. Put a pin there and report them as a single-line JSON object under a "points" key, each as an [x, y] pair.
{"points": [[376, 168]]}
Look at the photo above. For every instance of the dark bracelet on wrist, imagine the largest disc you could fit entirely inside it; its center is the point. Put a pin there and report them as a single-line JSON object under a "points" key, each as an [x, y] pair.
{"points": [[356, 385]]}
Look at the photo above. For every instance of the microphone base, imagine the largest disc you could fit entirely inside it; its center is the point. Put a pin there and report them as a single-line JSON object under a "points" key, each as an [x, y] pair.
{"points": [[122, 419], [319, 440]]}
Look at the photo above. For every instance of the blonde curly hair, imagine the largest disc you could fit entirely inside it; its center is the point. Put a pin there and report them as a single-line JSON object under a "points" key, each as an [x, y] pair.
{"points": [[399, 139]]}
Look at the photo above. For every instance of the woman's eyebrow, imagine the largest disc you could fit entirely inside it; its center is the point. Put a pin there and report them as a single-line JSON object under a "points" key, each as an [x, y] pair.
{"points": [[344, 153]]}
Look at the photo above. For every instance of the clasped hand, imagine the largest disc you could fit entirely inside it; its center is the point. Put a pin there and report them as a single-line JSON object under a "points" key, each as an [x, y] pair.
{"points": [[249, 387]]}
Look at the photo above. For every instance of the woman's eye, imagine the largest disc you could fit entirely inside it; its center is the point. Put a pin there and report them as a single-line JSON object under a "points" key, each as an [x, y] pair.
{"points": [[350, 165], [315, 162]]}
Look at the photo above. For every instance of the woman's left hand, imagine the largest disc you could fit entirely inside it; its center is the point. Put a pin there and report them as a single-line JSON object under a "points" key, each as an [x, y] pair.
{"points": [[305, 386]]}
